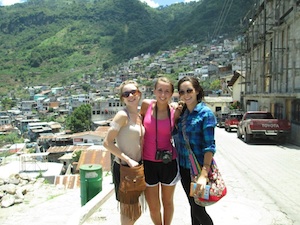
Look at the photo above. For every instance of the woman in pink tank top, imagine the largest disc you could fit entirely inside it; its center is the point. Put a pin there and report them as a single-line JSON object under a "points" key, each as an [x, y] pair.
{"points": [[159, 154]]}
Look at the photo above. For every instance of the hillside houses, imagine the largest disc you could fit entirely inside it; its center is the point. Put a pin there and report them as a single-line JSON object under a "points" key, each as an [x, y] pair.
{"points": [[210, 62], [56, 101]]}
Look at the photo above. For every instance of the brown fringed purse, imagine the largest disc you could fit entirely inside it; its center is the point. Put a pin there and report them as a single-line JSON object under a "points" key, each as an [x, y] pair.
{"points": [[132, 183]]}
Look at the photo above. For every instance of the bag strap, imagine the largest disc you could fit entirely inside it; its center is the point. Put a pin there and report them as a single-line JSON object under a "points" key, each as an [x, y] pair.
{"points": [[195, 166], [141, 129]]}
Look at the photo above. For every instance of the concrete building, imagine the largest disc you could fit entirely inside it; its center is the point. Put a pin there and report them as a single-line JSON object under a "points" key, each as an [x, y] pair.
{"points": [[272, 57]]}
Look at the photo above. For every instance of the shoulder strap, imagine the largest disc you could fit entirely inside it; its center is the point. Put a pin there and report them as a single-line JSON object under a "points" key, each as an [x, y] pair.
{"points": [[127, 113], [141, 129], [195, 166]]}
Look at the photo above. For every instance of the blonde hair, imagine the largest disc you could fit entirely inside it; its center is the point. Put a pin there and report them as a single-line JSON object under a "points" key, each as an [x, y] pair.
{"points": [[125, 83]]}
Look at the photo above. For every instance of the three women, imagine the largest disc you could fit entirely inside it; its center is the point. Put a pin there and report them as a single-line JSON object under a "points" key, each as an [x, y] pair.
{"points": [[197, 121]]}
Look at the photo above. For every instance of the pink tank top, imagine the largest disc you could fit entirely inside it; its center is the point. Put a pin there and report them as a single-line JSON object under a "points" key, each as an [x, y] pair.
{"points": [[163, 135]]}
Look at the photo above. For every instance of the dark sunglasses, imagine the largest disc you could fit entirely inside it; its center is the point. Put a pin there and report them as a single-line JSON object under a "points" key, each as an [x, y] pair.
{"points": [[189, 91], [127, 93]]}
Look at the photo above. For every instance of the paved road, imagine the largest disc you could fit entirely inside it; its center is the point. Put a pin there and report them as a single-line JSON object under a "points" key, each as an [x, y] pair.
{"points": [[263, 187]]}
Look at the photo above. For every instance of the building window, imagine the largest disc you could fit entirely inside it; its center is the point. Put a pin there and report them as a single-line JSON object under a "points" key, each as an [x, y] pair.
{"points": [[278, 111], [296, 111]]}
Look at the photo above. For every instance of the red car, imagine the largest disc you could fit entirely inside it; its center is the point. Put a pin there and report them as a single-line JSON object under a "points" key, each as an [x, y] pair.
{"points": [[232, 121], [262, 124]]}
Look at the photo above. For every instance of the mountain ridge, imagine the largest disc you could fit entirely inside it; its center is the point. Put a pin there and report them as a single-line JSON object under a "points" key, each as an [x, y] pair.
{"points": [[55, 41]]}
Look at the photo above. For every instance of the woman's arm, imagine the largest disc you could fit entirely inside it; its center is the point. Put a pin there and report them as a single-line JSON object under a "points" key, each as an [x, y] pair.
{"points": [[144, 107], [119, 121]]}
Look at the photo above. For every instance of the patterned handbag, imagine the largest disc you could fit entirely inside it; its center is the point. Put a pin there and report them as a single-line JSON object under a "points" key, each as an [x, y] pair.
{"points": [[216, 188]]}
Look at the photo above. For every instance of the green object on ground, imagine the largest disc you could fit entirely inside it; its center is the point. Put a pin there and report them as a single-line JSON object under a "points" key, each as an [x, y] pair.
{"points": [[90, 181]]}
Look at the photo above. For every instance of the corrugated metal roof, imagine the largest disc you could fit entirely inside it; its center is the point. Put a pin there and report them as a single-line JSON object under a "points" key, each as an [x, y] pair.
{"points": [[69, 181], [101, 157], [55, 126], [55, 137], [101, 132], [67, 156], [6, 127], [68, 148]]}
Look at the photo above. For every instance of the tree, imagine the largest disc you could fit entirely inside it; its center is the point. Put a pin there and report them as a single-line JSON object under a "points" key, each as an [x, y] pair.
{"points": [[215, 85], [7, 103], [80, 120]]}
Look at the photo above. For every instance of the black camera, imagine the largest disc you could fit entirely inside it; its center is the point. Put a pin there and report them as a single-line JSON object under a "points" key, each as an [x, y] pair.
{"points": [[164, 155]]}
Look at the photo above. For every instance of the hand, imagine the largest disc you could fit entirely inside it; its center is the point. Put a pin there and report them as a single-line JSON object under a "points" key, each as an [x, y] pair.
{"points": [[178, 110], [174, 105], [201, 183], [132, 163]]}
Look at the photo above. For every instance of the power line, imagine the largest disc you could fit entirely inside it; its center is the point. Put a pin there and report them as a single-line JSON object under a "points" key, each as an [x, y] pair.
{"points": [[222, 17]]}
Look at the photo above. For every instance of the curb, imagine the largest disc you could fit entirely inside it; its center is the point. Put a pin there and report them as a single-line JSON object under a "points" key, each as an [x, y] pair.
{"points": [[82, 214]]}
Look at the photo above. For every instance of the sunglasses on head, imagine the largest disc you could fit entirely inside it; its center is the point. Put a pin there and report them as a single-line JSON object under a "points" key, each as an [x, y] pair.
{"points": [[189, 91], [132, 92]]}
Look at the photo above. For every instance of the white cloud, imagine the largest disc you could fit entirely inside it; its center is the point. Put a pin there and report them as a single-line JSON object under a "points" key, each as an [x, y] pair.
{"points": [[191, 1], [151, 3], [10, 2]]}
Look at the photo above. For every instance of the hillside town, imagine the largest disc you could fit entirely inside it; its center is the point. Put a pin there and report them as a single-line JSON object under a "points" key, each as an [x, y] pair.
{"points": [[216, 61], [65, 151], [257, 72]]}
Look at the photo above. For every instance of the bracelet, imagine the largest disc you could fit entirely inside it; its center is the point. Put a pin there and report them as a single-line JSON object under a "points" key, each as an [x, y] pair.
{"points": [[205, 168]]}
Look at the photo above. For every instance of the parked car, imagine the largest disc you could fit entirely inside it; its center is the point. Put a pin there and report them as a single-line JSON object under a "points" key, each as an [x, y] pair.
{"points": [[232, 121], [221, 117], [261, 124]]}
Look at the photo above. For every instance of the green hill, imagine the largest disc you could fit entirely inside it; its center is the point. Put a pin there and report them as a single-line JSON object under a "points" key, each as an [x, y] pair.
{"points": [[55, 41]]}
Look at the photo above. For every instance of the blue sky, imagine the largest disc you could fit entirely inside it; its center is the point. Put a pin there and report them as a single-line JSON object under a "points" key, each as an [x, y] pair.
{"points": [[151, 3]]}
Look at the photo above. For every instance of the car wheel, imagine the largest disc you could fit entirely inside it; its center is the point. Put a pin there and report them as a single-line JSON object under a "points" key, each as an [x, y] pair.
{"points": [[238, 134], [281, 140], [247, 138]]}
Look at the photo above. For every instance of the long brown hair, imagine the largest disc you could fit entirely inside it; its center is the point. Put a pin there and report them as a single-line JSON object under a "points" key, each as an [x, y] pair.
{"points": [[196, 85]]}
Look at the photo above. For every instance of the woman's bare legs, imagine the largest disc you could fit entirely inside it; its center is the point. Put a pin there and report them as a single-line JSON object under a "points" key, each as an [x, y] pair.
{"points": [[153, 201], [168, 204]]}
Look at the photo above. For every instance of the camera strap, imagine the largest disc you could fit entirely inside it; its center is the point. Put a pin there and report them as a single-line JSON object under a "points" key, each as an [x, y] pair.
{"points": [[156, 124]]}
